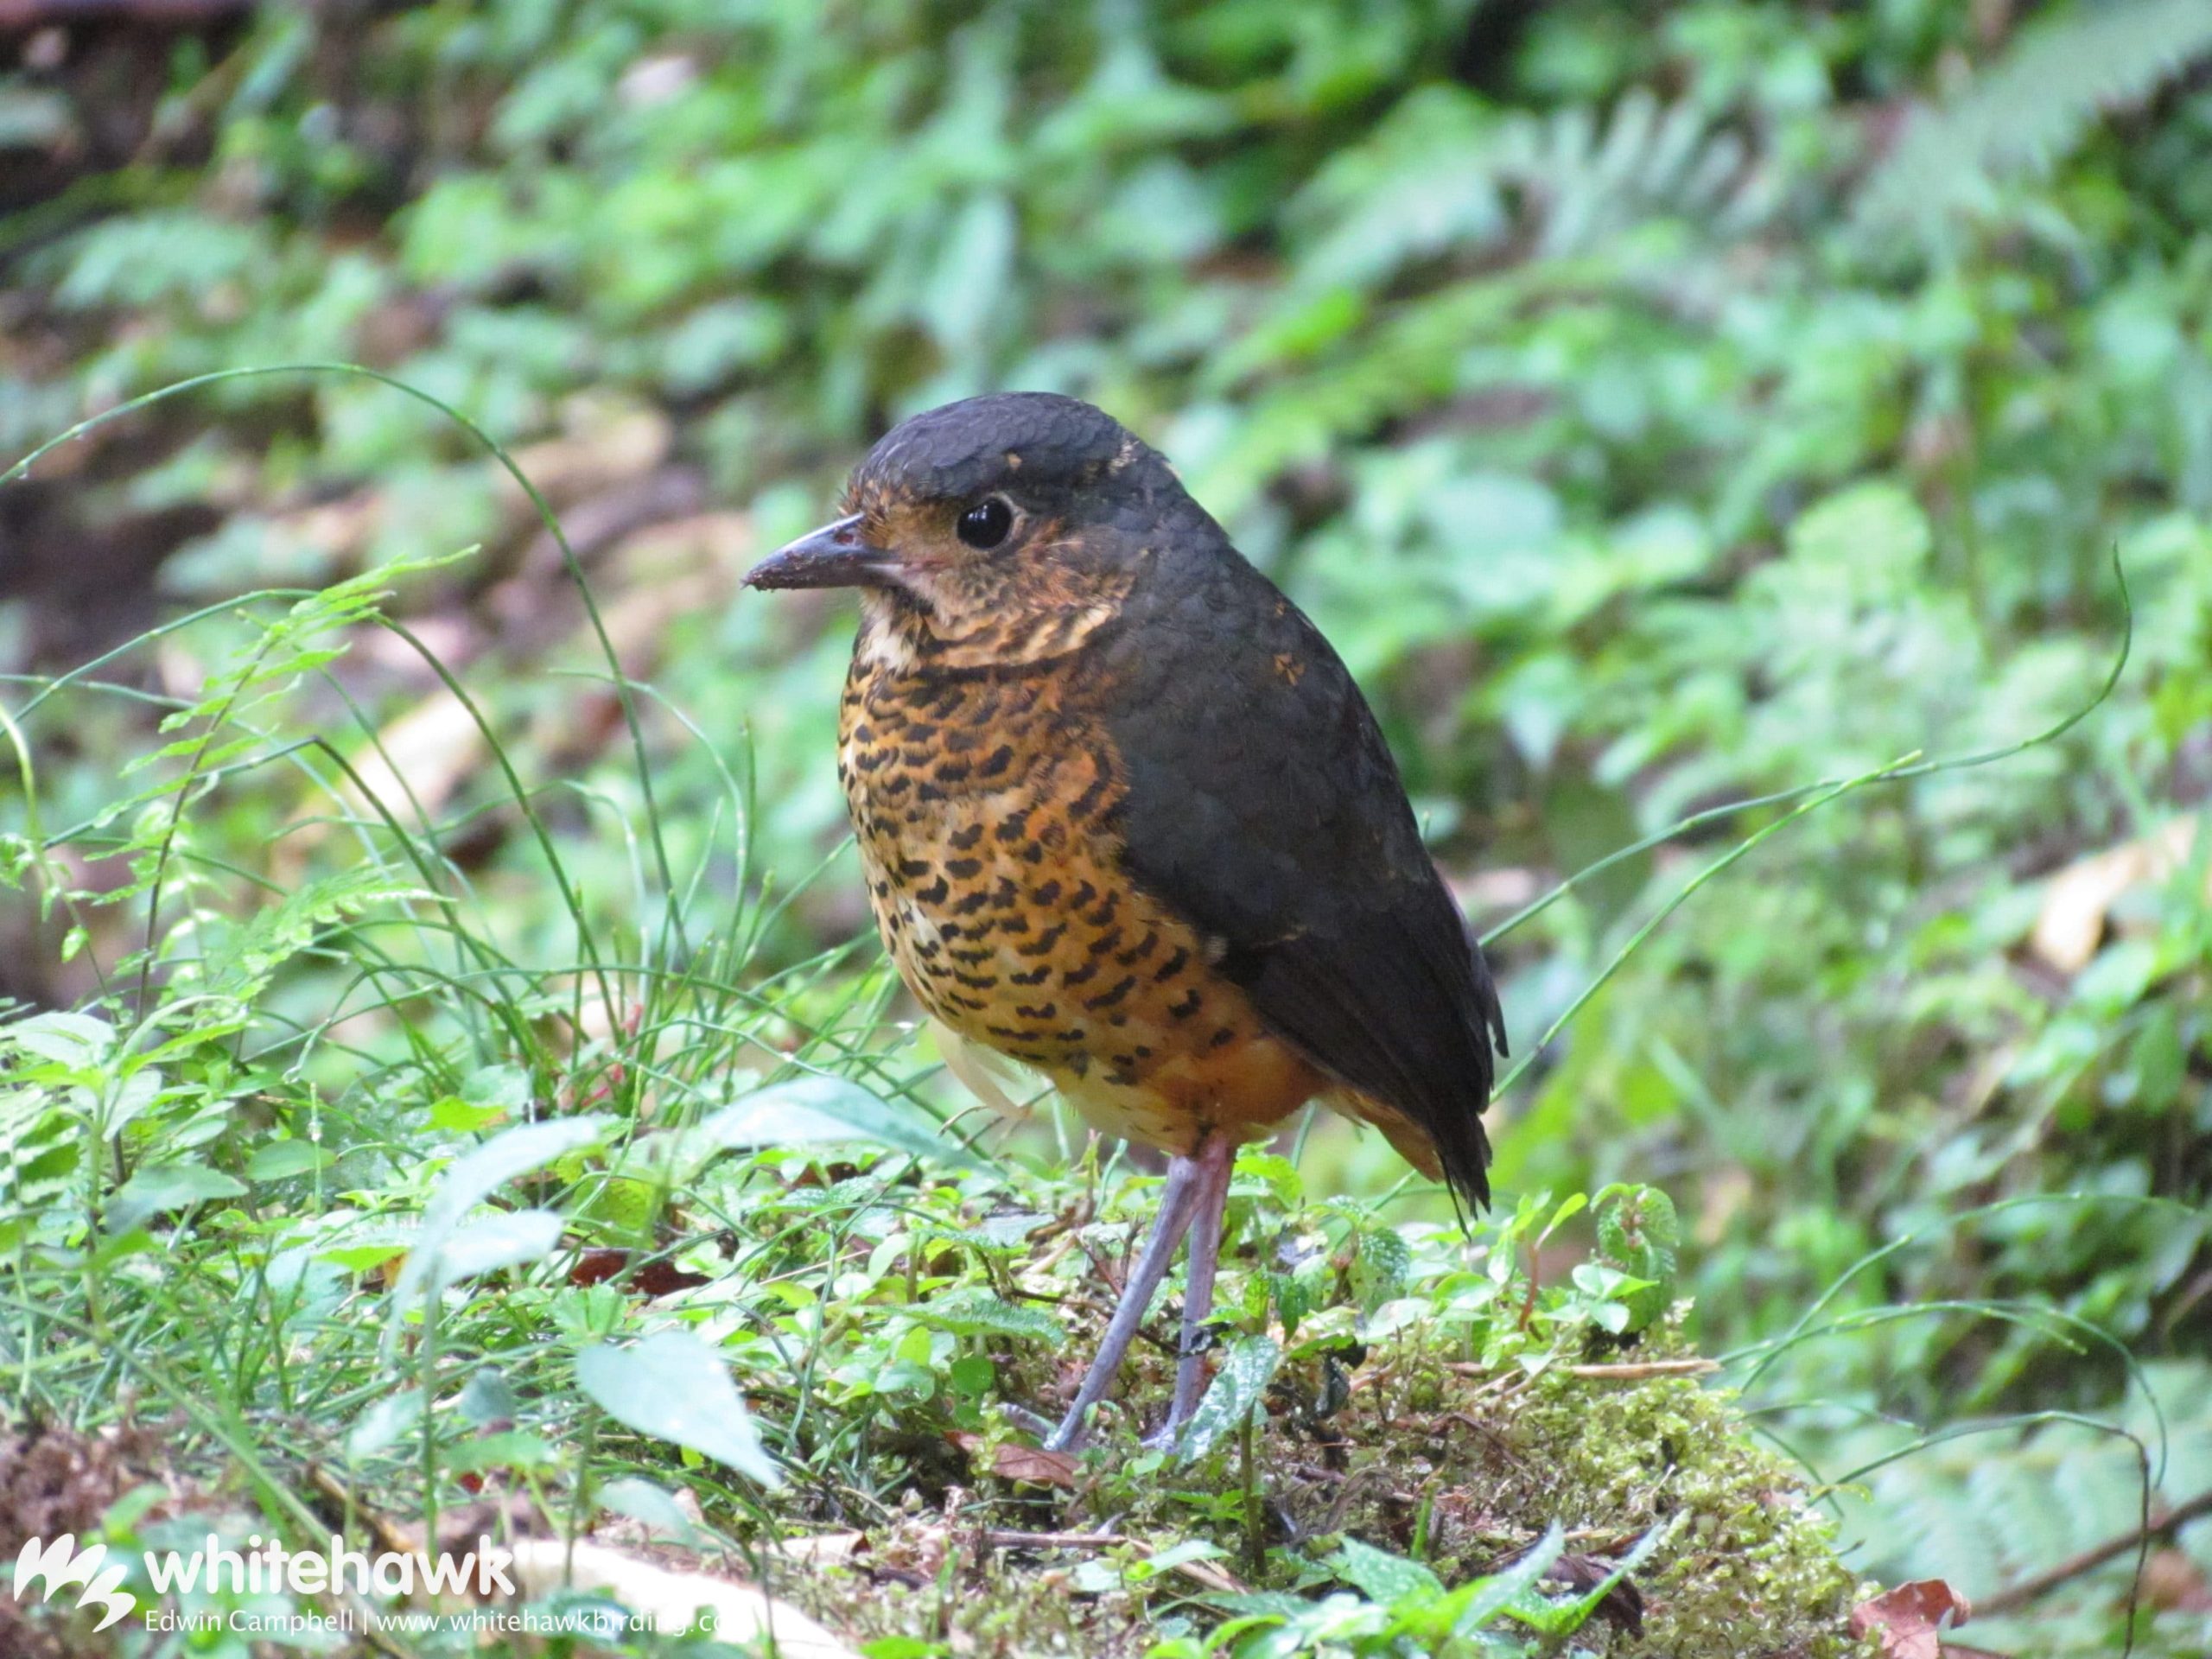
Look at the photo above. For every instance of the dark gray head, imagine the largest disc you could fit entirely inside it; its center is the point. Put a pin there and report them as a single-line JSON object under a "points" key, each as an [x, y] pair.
{"points": [[1030, 443], [1021, 505]]}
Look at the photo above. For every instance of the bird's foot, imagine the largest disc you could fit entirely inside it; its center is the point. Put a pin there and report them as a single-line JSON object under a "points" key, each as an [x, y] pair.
{"points": [[1072, 1433], [1165, 1438], [1030, 1422]]}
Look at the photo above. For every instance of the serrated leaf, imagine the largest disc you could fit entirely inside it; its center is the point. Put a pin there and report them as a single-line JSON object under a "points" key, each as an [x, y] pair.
{"points": [[674, 1387], [1379, 1268], [1246, 1369], [281, 931], [1278, 1172], [1638, 1232]]}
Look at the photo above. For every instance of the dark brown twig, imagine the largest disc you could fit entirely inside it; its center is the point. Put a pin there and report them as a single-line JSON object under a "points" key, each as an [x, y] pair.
{"points": [[2028, 1590], [1001, 1538]]}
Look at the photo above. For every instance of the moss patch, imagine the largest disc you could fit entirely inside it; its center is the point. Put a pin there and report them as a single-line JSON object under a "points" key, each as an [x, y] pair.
{"points": [[1443, 1462]]}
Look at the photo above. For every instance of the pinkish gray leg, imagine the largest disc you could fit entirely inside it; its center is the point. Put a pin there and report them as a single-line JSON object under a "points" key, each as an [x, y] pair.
{"points": [[1176, 1200]]}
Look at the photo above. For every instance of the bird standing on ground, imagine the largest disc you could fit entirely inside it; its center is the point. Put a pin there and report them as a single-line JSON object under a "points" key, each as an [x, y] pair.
{"points": [[1126, 819]]}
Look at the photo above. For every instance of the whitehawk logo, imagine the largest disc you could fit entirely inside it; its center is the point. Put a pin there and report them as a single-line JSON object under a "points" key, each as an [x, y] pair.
{"points": [[60, 1563]]}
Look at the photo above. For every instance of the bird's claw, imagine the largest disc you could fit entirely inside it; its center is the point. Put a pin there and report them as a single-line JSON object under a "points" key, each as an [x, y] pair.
{"points": [[1166, 1437], [1069, 1436], [1030, 1422]]}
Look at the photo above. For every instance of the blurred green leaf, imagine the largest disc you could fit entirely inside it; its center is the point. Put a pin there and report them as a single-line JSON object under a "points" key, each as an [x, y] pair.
{"points": [[673, 1387], [1240, 1382]]}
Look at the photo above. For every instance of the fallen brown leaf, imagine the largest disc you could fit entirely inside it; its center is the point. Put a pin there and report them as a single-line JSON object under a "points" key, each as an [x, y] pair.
{"points": [[417, 762], [1623, 1605], [1911, 1618], [2072, 924], [1026, 1463], [657, 1277], [607, 441], [825, 1550], [2172, 1582]]}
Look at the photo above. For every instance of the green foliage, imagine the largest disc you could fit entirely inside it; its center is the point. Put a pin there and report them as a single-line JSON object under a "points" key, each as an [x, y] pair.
{"points": [[1240, 1383], [1658, 407], [1993, 1504], [1405, 1608], [2034, 105], [673, 1387], [1638, 1234]]}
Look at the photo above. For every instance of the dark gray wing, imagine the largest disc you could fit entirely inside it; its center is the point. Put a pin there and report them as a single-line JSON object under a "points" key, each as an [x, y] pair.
{"points": [[1264, 805]]}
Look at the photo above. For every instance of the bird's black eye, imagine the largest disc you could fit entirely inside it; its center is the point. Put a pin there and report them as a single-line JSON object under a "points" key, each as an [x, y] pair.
{"points": [[985, 524]]}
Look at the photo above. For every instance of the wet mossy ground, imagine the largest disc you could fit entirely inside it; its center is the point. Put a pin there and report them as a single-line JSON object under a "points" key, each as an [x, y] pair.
{"points": [[1426, 1457]]}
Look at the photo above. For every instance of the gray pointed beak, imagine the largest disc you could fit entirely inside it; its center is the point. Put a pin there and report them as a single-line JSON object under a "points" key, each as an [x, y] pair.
{"points": [[832, 556]]}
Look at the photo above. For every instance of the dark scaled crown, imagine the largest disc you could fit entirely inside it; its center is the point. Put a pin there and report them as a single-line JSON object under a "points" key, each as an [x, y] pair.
{"points": [[1000, 441]]}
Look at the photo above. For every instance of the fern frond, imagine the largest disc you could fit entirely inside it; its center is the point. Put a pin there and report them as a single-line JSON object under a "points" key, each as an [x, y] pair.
{"points": [[1650, 160], [1442, 176], [1986, 1512], [2032, 106]]}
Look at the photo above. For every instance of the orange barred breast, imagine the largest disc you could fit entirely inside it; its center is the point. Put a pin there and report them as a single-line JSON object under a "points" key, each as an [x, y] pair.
{"points": [[985, 808]]}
